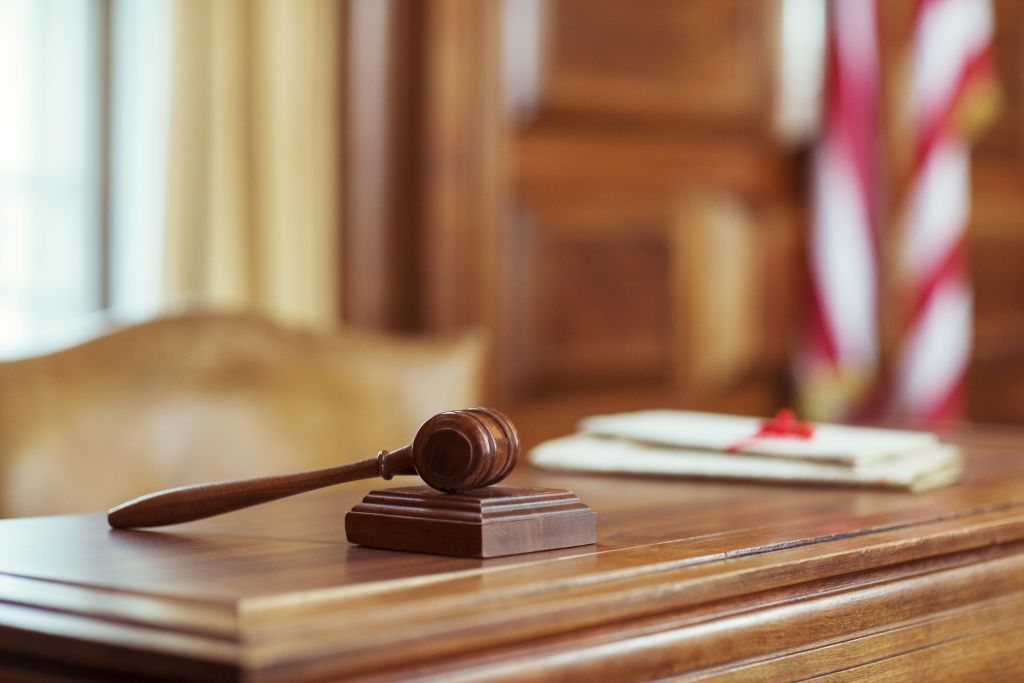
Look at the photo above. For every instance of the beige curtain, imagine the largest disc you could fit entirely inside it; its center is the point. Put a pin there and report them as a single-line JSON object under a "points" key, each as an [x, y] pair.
{"points": [[253, 176]]}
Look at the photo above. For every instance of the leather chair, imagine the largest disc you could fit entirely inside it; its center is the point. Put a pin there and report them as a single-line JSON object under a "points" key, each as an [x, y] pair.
{"points": [[208, 397]]}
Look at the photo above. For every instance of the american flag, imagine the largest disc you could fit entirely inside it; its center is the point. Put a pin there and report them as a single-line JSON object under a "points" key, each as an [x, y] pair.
{"points": [[950, 92], [837, 362]]}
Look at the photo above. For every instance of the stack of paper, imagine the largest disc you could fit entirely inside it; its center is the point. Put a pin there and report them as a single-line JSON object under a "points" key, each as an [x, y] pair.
{"points": [[690, 444]]}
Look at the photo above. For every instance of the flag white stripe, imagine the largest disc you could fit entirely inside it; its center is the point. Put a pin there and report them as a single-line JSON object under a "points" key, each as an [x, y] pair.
{"points": [[948, 34], [939, 207], [842, 258], [856, 42], [938, 350]]}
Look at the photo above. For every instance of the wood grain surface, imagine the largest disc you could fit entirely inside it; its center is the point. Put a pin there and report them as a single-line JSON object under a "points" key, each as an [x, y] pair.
{"points": [[709, 581]]}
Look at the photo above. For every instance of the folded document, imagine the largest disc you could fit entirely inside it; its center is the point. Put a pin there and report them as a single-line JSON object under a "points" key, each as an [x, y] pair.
{"points": [[695, 444]]}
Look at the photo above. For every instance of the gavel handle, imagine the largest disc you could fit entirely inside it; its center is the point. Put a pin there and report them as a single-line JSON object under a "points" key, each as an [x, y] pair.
{"points": [[189, 503]]}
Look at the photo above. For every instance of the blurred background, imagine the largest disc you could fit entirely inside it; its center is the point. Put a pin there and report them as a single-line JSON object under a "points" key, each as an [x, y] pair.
{"points": [[714, 204]]}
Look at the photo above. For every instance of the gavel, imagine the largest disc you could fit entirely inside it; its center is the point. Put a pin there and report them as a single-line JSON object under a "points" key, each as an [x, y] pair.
{"points": [[453, 452]]}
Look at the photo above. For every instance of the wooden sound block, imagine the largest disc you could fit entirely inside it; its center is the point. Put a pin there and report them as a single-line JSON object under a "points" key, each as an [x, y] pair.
{"points": [[487, 522]]}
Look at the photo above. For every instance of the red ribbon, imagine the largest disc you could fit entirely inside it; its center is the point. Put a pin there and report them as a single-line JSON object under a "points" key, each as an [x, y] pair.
{"points": [[783, 426]]}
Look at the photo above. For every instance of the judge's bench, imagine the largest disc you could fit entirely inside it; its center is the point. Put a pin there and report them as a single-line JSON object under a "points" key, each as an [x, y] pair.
{"points": [[694, 580]]}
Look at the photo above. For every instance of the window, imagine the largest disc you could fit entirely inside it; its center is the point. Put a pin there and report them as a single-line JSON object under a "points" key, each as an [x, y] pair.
{"points": [[49, 156], [68, 260]]}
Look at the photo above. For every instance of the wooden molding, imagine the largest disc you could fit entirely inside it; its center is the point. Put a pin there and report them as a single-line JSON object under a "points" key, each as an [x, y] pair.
{"points": [[489, 522]]}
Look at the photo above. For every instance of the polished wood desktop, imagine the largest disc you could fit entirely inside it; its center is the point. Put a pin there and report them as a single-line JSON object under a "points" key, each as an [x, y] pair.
{"points": [[705, 580]]}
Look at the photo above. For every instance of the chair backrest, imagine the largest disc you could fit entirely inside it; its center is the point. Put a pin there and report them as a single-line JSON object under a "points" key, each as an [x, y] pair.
{"points": [[208, 397]]}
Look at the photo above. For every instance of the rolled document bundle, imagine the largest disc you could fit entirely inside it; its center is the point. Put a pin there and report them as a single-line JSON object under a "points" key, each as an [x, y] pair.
{"points": [[690, 444]]}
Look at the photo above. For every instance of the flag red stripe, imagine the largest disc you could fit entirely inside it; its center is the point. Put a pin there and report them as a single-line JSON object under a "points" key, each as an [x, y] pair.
{"points": [[941, 123], [852, 106], [950, 266], [949, 407]]}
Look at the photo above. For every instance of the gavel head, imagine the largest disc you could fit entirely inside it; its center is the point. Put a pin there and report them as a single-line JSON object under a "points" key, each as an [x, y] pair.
{"points": [[460, 450]]}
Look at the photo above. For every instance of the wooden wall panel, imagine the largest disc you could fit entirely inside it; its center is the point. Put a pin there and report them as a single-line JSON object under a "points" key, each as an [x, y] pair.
{"points": [[675, 61], [382, 192], [421, 132], [996, 379], [643, 120], [583, 222], [599, 303], [558, 219]]}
